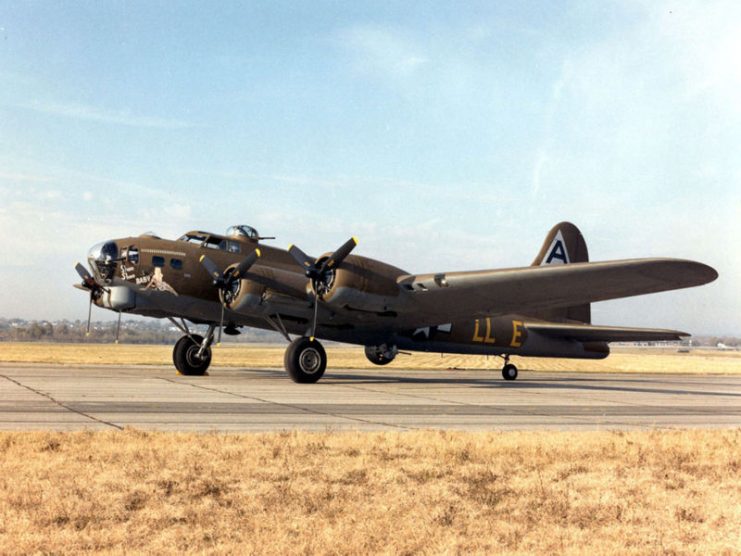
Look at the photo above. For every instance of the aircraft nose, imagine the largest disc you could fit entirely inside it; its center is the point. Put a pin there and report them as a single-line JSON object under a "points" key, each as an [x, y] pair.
{"points": [[103, 258], [103, 252]]}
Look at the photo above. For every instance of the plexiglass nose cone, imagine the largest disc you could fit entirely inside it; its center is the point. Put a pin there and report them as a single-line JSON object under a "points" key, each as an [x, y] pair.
{"points": [[103, 252]]}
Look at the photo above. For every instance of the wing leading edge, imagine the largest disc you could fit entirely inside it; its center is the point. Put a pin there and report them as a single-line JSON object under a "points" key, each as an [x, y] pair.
{"points": [[448, 296]]}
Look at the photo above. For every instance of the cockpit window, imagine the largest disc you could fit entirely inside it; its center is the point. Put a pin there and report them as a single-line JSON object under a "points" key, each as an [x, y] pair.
{"points": [[133, 255], [210, 241], [231, 243], [214, 243], [193, 238]]}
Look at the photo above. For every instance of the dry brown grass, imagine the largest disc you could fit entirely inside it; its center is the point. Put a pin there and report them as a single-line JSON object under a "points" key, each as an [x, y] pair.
{"points": [[350, 493], [351, 357]]}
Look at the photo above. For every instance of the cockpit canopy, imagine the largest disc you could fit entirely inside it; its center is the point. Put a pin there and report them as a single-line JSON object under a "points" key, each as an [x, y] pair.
{"points": [[235, 235]]}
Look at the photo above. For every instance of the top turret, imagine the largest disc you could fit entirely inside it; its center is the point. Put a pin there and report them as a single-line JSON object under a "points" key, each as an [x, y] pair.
{"points": [[243, 232]]}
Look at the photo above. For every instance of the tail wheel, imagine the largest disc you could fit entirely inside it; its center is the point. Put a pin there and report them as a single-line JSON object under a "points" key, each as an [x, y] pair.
{"points": [[509, 372], [305, 360], [186, 357]]}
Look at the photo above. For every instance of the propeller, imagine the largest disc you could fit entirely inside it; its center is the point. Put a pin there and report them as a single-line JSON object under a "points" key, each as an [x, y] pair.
{"points": [[319, 271], [87, 279], [226, 280], [89, 283]]}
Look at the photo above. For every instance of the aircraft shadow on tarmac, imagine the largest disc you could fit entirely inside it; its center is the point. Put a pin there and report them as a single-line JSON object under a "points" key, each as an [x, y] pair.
{"points": [[597, 384]]}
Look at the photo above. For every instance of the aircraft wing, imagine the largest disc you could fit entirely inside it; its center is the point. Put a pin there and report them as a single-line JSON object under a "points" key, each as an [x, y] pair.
{"points": [[593, 333], [441, 298]]}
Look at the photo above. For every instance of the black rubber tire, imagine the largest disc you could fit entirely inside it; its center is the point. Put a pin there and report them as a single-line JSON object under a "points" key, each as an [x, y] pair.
{"points": [[509, 372], [374, 357], [305, 360], [178, 346], [185, 356]]}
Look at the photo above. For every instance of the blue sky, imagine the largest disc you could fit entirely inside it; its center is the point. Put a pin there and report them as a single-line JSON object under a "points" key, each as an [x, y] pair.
{"points": [[447, 136]]}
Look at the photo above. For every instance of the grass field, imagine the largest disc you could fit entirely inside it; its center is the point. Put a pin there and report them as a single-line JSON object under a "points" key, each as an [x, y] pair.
{"points": [[353, 493], [351, 357]]}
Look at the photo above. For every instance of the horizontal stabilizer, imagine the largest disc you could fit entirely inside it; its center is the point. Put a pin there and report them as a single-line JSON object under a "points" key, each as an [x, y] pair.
{"points": [[592, 333]]}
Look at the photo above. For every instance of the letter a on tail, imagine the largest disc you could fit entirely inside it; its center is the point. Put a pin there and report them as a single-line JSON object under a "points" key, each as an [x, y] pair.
{"points": [[556, 253]]}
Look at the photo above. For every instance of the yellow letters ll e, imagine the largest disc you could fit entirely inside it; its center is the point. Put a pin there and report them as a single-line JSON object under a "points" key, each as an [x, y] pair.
{"points": [[516, 333]]}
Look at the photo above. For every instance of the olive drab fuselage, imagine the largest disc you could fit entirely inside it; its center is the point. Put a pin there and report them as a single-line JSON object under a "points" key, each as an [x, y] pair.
{"points": [[164, 278]]}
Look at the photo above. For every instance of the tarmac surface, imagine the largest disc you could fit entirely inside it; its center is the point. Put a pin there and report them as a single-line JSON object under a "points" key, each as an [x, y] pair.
{"points": [[48, 397]]}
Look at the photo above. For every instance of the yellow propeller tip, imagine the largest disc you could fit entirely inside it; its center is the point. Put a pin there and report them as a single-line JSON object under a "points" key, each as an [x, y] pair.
{"points": [[290, 247], [355, 239], [201, 259], [258, 252], [311, 338]]}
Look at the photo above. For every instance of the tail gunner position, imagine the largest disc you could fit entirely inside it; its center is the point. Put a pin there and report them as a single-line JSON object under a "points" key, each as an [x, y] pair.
{"points": [[231, 281]]}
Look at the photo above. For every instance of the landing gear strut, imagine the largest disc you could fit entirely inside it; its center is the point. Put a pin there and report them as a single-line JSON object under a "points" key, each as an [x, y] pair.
{"points": [[305, 360], [509, 371]]}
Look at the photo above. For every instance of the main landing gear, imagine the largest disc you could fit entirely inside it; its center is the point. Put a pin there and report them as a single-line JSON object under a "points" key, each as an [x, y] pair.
{"points": [[191, 356], [305, 360], [509, 371], [192, 353]]}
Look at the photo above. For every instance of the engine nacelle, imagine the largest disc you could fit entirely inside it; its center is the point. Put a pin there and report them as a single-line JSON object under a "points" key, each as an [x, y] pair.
{"points": [[245, 296], [118, 298], [363, 284]]}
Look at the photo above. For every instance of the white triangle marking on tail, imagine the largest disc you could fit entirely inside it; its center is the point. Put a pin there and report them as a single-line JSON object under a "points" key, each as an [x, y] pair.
{"points": [[557, 253]]}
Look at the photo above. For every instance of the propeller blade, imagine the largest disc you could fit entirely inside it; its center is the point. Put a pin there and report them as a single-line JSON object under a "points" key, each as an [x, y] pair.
{"points": [[83, 272], [118, 326], [88, 281], [211, 268], [313, 321], [221, 325], [301, 258], [89, 314], [336, 258], [246, 264]]}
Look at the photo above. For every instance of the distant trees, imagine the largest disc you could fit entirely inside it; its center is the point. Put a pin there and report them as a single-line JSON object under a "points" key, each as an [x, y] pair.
{"points": [[32, 331], [66, 331], [132, 332], [725, 340]]}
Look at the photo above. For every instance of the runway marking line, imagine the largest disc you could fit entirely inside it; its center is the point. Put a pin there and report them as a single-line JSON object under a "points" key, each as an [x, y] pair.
{"points": [[291, 406], [62, 404]]}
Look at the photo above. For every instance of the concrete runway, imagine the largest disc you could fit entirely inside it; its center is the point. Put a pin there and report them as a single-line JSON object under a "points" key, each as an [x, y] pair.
{"points": [[47, 397]]}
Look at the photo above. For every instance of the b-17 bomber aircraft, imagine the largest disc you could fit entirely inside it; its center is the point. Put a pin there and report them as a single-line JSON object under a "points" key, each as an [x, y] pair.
{"points": [[234, 280]]}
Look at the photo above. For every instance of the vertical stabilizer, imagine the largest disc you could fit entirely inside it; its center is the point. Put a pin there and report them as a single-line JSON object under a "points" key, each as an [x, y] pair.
{"points": [[564, 244]]}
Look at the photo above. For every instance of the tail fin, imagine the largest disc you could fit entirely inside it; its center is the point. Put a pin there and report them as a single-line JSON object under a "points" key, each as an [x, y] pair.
{"points": [[564, 244]]}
